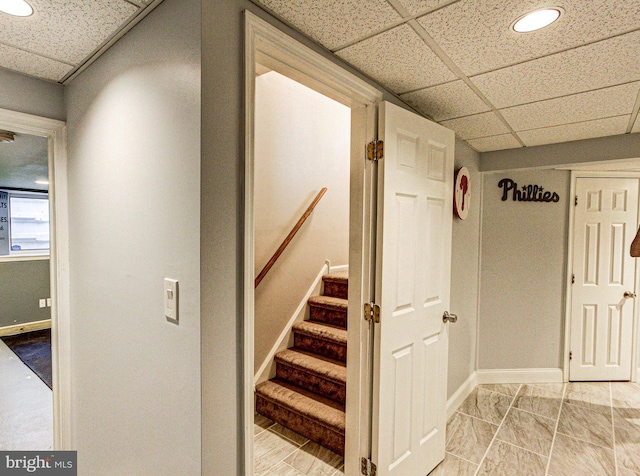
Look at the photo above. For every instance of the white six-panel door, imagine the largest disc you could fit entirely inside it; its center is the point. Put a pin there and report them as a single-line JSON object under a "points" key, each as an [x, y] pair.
{"points": [[601, 317], [413, 275]]}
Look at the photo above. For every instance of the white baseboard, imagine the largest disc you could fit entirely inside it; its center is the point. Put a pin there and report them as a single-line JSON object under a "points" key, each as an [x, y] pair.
{"points": [[519, 376], [26, 327], [461, 394]]}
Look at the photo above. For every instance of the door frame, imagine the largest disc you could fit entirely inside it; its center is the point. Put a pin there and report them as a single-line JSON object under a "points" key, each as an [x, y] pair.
{"points": [[56, 134], [576, 174], [269, 46]]}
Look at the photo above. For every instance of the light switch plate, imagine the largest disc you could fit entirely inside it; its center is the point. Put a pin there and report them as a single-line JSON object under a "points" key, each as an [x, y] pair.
{"points": [[171, 299]]}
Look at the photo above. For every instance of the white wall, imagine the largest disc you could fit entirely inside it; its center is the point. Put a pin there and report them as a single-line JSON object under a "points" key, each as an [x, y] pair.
{"points": [[134, 206], [301, 145], [465, 250], [31, 95], [523, 259]]}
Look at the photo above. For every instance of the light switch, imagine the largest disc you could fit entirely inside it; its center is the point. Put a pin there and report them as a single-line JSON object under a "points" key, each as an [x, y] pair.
{"points": [[48, 302], [42, 302], [171, 299]]}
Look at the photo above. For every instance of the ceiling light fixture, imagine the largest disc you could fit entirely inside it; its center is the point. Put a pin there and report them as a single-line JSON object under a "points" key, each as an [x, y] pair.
{"points": [[17, 8], [7, 136], [536, 20], [42, 182]]}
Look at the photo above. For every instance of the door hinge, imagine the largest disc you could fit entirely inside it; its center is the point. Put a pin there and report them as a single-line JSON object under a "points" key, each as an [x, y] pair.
{"points": [[372, 312], [576, 201], [367, 467], [570, 355], [375, 150], [573, 279]]}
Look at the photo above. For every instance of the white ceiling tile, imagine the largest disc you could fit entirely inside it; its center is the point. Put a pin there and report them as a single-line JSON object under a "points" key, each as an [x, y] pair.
{"points": [[570, 132], [334, 23], [67, 30], [446, 101], [419, 6], [476, 34], [480, 125], [31, 64], [501, 142], [601, 103], [594, 66], [399, 60]]}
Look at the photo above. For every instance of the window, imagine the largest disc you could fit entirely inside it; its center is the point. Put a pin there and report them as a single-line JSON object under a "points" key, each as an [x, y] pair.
{"points": [[25, 223]]}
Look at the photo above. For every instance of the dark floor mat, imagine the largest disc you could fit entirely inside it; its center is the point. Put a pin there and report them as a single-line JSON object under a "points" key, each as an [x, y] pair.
{"points": [[34, 349]]}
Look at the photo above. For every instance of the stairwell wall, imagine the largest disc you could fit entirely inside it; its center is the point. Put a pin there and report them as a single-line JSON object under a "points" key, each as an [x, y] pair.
{"points": [[302, 144]]}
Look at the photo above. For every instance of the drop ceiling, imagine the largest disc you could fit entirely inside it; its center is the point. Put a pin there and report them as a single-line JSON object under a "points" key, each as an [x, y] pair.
{"points": [[62, 36], [455, 61], [459, 63]]}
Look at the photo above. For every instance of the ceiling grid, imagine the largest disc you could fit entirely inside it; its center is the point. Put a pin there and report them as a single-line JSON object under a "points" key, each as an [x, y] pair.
{"points": [[455, 61], [577, 78]]}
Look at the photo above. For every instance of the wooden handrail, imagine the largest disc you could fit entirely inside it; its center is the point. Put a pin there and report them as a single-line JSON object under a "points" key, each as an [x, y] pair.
{"points": [[289, 237]]}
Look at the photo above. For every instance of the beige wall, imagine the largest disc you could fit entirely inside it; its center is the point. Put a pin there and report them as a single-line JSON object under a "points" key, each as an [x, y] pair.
{"points": [[301, 145]]}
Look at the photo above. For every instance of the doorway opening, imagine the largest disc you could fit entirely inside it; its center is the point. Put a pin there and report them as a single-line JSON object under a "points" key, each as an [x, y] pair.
{"points": [[54, 135], [301, 152], [25, 323], [269, 50]]}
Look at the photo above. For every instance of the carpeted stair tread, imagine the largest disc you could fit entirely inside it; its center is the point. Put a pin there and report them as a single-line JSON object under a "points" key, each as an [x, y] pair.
{"points": [[329, 302], [336, 284], [338, 276], [322, 366], [307, 404], [321, 331]]}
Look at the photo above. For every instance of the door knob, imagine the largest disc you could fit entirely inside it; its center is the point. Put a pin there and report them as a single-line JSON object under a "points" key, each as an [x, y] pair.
{"points": [[446, 317], [629, 295]]}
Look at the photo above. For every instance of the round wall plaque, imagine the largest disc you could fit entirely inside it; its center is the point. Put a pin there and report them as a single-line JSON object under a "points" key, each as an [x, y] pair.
{"points": [[461, 193]]}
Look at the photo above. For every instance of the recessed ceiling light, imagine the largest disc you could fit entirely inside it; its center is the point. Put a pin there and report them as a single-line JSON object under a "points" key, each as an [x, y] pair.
{"points": [[42, 182], [536, 20], [18, 8]]}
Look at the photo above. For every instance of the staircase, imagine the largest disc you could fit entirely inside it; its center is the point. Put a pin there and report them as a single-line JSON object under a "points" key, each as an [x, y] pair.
{"points": [[308, 392]]}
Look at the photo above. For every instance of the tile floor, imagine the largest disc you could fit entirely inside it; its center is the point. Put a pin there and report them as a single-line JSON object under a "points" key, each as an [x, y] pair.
{"points": [[278, 451], [569, 429], [575, 429], [26, 406]]}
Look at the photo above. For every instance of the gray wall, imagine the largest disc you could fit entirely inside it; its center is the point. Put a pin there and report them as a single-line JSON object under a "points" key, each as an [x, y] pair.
{"points": [[24, 283], [523, 261], [134, 210], [465, 251], [624, 146], [33, 96]]}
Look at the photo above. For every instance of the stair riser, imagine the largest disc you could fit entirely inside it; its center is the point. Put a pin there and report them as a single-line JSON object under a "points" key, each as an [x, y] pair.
{"points": [[335, 317], [325, 436], [320, 347], [313, 382], [336, 289]]}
